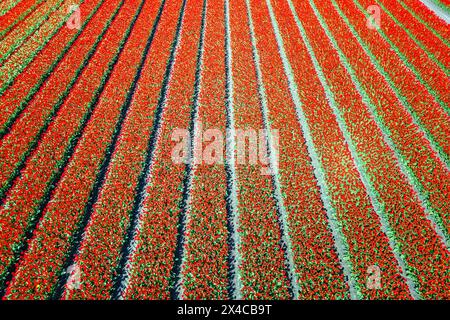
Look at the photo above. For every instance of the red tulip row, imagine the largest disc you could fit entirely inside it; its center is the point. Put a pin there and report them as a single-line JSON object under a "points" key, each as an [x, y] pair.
{"points": [[262, 267], [64, 214], [24, 30], [18, 13], [432, 72], [21, 206], [442, 3], [361, 227], [100, 251], [402, 208], [21, 57], [317, 265], [431, 43], [7, 6], [429, 17], [24, 133], [153, 259], [415, 149], [205, 270], [16, 95], [429, 25], [418, 39]]}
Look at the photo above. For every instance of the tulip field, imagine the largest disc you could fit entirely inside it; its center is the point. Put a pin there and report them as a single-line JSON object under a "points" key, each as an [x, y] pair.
{"points": [[224, 149]]}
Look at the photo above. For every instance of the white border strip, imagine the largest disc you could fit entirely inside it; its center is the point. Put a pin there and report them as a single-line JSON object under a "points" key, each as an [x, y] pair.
{"points": [[230, 161]]}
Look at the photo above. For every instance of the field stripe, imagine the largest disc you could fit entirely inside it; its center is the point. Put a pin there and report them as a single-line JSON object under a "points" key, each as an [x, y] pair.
{"points": [[7, 6], [419, 33], [234, 240], [177, 272], [424, 23], [421, 69], [258, 216], [87, 206], [20, 140], [16, 96], [342, 247], [163, 203], [413, 166], [46, 231], [12, 41], [377, 204], [24, 229], [389, 180], [350, 197], [437, 148], [436, 23], [113, 208], [282, 212], [25, 54], [29, 36], [207, 232], [401, 161], [317, 263], [414, 37], [19, 13], [129, 248]]}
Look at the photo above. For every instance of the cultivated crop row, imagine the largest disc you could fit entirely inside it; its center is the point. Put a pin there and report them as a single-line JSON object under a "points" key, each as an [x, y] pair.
{"points": [[229, 149]]}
